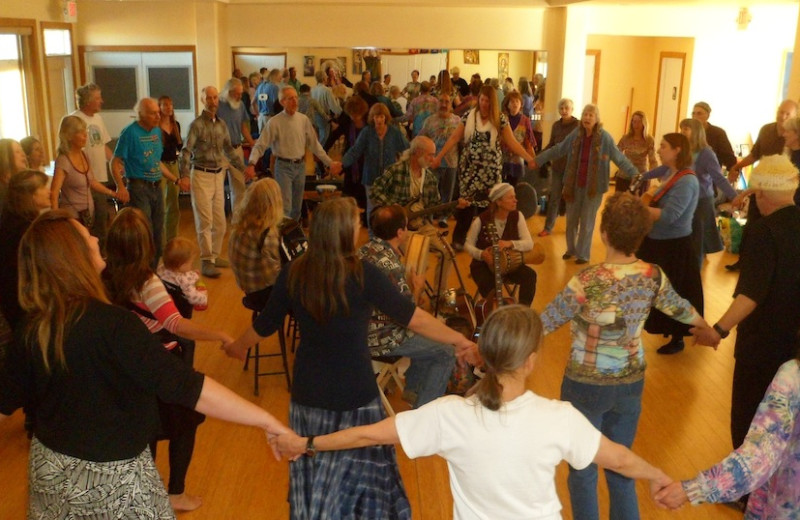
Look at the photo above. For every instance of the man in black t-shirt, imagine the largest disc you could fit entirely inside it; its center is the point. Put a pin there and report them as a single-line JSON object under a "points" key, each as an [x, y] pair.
{"points": [[766, 305]]}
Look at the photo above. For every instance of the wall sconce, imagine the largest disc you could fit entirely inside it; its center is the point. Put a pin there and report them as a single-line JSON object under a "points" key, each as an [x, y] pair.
{"points": [[744, 19]]}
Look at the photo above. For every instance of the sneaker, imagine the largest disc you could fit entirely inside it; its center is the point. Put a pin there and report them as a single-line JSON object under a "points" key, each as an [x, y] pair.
{"points": [[544, 233], [221, 262], [673, 347], [566, 256], [209, 269], [581, 261]]}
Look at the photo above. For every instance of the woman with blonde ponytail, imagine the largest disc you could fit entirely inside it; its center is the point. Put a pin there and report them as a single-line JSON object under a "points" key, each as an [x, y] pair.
{"points": [[503, 443]]}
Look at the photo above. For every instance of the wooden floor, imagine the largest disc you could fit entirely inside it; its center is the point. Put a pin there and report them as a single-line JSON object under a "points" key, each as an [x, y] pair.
{"points": [[683, 427]]}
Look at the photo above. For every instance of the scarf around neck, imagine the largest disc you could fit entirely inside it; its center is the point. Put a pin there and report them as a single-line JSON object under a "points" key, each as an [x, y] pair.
{"points": [[571, 177]]}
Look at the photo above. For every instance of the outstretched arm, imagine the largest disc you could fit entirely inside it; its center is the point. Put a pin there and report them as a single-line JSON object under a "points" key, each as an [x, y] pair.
{"points": [[384, 432]]}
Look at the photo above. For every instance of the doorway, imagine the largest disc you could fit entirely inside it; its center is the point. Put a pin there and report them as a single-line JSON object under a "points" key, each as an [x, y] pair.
{"points": [[127, 76], [670, 93], [591, 76]]}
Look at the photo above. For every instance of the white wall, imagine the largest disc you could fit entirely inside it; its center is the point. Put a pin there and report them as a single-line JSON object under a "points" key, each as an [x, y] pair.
{"points": [[737, 72]]}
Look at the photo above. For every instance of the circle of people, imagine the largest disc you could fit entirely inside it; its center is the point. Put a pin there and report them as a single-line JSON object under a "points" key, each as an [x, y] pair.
{"points": [[102, 313]]}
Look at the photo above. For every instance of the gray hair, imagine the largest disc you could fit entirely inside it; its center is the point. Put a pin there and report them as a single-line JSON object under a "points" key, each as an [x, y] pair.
{"points": [[793, 124], [566, 101], [282, 94], [139, 106], [320, 76], [84, 92], [415, 145], [591, 107], [229, 85]]}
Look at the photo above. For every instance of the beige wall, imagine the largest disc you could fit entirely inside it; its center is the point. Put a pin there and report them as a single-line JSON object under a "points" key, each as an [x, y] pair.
{"points": [[629, 76], [520, 63], [738, 72]]}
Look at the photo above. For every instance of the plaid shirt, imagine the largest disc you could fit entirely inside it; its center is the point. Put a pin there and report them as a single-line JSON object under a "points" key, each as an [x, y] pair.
{"points": [[208, 145], [386, 334], [255, 259], [394, 186]]}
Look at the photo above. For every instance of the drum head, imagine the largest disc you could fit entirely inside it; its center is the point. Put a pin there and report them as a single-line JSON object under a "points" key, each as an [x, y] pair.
{"points": [[526, 199]]}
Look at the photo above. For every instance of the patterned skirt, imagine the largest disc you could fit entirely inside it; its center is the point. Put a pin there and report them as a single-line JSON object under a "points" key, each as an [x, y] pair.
{"points": [[345, 485], [63, 487]]}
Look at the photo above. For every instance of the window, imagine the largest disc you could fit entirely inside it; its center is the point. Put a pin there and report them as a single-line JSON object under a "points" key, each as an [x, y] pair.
{"points": [[57, 42], [13, 111]]}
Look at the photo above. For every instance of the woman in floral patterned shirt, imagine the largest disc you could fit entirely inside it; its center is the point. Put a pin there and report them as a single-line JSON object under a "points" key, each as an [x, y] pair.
{"points": [[607, 305], [766, 465]]}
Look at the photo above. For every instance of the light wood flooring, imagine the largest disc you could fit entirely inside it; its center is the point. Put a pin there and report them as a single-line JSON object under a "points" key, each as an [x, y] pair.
{"points": [[683, 426]]}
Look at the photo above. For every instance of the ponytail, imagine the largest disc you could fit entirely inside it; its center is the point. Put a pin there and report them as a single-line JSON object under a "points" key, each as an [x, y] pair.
{"points": [[510, 336]]}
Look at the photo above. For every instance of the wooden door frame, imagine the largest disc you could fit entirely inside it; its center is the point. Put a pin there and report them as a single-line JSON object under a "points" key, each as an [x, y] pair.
{"points": [[596, 79], [661, 56]]}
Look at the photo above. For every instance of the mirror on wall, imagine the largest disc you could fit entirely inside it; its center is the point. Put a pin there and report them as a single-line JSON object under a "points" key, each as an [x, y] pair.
{"points": [[399, 62]]}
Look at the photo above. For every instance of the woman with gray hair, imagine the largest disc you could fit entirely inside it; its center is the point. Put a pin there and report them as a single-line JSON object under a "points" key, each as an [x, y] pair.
{"points": [[588, 150], [561, 129], [72, 178]]}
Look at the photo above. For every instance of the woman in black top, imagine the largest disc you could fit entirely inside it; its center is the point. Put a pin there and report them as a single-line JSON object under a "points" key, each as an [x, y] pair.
{"points": [[90, 373], [171, 138], [332, 294]]}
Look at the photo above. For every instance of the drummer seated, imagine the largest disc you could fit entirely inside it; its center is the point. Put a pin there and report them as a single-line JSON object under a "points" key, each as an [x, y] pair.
{"points": [[432, 363], [512, 234]]}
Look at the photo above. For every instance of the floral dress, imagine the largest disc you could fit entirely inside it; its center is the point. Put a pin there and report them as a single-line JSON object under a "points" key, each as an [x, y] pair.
{"points": [[481, 165]]}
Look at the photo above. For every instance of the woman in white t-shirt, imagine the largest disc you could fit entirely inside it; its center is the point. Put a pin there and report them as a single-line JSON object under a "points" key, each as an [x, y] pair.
{"points": [[503, 443]]}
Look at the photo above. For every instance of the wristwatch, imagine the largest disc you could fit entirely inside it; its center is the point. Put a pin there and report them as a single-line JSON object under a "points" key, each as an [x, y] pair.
{"points": [[722, 332], [310, 449]]}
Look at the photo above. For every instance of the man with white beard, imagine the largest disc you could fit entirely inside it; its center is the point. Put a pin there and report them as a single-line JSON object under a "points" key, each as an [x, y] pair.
{"points": [[411, 183], [233, 112]]}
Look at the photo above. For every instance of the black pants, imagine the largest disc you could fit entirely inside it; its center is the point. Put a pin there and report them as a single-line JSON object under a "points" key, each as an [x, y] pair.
{"points": [[463, 221], [750, 383], [523, 275]]}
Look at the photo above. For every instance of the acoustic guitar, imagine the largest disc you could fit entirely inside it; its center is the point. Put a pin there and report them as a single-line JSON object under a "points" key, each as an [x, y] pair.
{"points": [[485, 307]]}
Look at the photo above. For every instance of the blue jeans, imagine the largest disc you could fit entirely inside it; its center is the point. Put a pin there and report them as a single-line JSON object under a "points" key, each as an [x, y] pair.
{"points": [[581, 214], [614, 410], [148, 198], [292, 180], [553, 198], [431, 366]]}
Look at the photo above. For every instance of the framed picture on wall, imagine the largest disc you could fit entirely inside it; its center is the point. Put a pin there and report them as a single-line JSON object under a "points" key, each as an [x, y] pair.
{"points": [[502, 65], [308, 65], [358, 61], [472, 57], [338, 63]]}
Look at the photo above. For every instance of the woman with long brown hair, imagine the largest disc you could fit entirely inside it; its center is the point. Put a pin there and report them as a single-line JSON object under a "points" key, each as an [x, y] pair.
{"points": [[480, 166], [132, 283], [332, 293], [503, 443], [28, 196], [91, 373], [670, 244], [171, 139]]}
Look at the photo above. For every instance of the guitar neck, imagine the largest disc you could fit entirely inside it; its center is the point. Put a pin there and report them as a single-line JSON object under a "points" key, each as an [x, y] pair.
{"points": [[498, 277]]}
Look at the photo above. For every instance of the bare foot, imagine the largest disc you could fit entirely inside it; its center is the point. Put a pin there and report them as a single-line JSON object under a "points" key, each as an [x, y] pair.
{"points": [[185, 502]]}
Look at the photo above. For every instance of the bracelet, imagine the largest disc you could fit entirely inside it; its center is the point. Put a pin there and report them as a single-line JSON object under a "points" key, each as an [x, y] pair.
{"points": [[722, 332]]}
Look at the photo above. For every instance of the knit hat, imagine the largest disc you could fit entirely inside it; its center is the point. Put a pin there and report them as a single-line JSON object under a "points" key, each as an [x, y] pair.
{"points": [[705, 106], [774, 173], [498, 190]]}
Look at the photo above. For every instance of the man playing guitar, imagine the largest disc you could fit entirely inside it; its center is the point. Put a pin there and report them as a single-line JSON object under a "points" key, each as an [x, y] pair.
{"points": [[409, 182], [512, 235]]}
